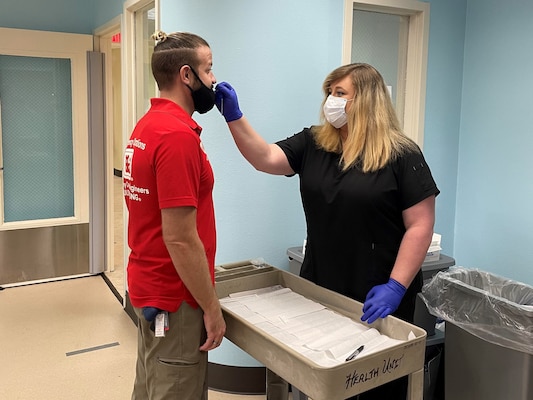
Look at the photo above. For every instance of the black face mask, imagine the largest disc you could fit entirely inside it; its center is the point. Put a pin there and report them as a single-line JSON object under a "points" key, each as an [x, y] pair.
{"points": [[203, 98]]}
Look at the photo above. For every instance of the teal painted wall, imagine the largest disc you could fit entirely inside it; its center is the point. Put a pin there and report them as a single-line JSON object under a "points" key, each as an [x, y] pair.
{"points": [[74, 16], [494, 217], [276, 54]]}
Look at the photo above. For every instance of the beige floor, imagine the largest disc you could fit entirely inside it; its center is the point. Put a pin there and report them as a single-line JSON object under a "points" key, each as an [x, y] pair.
{"points": [[68, 340]]}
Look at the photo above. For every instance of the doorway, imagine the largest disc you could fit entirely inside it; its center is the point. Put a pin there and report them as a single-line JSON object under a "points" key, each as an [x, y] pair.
{"points": [[44, 164], [130, 45], [110, 44], [393, 36]]}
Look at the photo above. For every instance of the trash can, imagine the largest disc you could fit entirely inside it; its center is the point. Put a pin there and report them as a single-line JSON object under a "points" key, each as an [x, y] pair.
{"points": [[489, 334], [432, 372], [422, 316]]}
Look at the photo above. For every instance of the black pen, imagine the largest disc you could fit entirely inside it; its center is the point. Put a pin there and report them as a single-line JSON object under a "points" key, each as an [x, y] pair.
{"points": [[355, 353]]}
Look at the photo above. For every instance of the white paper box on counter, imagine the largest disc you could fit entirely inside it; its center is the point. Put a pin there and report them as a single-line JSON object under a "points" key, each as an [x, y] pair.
{"points": [[321, 383], [435, 240], [433, 254]]}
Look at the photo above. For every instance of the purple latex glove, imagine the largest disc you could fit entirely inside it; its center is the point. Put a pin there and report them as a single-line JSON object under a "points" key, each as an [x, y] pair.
{"points": [[227, 102], [382, 300]]}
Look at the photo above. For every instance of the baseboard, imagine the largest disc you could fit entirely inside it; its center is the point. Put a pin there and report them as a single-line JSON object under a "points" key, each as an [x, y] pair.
{"points": [[112, 287], [241, 380]]}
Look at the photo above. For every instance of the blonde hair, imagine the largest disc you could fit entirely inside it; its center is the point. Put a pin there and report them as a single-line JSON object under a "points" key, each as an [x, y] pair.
{"points": [[374, 134], [172, 52]]}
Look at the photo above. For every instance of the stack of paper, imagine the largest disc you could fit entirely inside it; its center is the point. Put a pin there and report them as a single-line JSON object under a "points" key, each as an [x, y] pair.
{"points": [[308, 327]]}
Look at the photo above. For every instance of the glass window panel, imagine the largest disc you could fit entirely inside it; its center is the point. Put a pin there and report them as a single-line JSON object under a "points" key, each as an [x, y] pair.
{"points": [[380, 39], [37, 147]]}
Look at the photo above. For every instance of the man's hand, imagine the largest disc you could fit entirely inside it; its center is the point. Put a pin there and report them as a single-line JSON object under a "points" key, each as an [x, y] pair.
{"points": [[215, 327]]}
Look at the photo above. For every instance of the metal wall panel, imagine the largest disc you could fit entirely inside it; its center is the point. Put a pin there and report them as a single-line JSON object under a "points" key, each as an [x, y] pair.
{"points": [[43, 253], [97, 211]]}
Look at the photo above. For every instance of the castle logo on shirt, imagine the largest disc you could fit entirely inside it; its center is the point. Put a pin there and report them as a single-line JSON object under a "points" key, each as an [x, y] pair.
{"points": [[128, 160], [131, 191], [128, 156]]}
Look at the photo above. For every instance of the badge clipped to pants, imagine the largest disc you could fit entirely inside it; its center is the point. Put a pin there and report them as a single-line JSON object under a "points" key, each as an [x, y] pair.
{"points": [[161, 324]]}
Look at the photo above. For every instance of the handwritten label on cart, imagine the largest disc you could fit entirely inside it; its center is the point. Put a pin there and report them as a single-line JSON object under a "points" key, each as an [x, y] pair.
{"points": [[388, 366]]}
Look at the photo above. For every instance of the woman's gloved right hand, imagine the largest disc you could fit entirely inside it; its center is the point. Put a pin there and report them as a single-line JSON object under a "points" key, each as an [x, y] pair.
{"points": [[227, 102]]}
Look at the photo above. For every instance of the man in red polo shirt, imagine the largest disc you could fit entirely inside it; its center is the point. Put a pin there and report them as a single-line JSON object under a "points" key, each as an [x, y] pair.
{"points": [[168, 183]]}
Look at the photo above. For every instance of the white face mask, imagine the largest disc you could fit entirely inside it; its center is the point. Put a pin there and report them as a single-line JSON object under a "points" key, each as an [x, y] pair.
{"points": [[334, 111]]}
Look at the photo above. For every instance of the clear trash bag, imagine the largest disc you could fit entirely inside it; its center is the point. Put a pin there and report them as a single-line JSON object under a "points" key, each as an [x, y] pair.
{"points": [[493, 308]]}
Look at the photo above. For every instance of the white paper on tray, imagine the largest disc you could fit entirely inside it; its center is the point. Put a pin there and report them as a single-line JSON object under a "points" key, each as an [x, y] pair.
{"points": [[306, 326], [343, 348]]}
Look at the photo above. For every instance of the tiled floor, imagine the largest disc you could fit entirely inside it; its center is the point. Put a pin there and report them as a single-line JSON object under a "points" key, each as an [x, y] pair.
{"points": [[44, 325], [71, 340]]}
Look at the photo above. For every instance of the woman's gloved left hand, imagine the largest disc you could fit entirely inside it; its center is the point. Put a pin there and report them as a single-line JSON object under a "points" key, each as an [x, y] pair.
{"points": [[382, 300], [227, 102]]}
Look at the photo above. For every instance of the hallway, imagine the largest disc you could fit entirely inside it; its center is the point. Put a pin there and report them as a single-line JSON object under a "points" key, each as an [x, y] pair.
{"points": [[53, 342], [69, 339]]}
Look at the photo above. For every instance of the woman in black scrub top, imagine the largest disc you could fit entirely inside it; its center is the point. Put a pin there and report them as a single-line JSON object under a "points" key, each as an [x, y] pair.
{"points": [[367, 193]]}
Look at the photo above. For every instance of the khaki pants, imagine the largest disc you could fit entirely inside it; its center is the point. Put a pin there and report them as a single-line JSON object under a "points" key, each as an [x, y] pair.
{"points": [[172, 367]]}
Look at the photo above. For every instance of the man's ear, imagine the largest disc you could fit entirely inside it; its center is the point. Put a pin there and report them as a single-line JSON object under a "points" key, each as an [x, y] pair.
{"points": [[185, 74]]}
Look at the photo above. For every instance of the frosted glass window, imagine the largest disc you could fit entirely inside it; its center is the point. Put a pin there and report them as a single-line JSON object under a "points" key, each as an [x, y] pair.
{"points": [[37, 147], [380, 39]]}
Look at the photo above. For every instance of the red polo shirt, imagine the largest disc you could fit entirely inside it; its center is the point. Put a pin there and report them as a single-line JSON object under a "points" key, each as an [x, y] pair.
{"points": [[165, 166]]}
